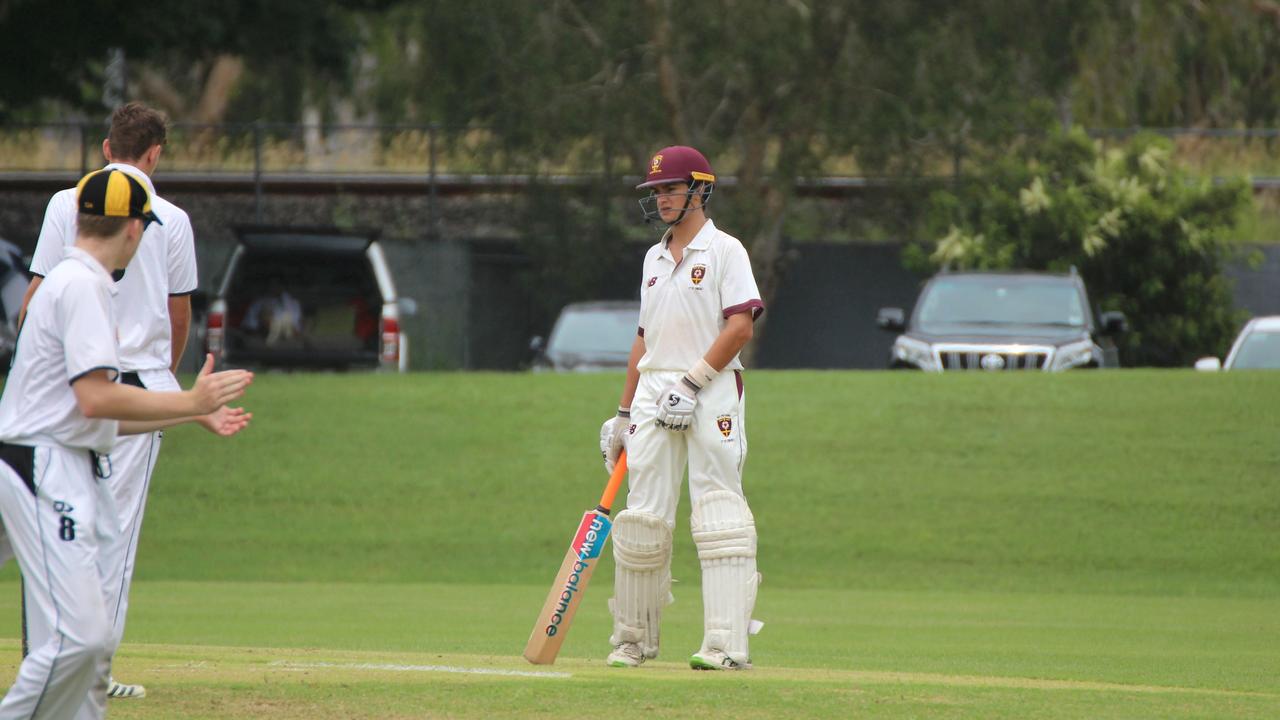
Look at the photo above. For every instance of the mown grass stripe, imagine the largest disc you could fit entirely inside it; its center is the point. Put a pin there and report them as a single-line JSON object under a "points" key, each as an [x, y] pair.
{"points": [[392, 667]]}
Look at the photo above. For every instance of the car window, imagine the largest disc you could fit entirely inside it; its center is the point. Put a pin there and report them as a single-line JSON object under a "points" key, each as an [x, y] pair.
{"points": [[1258, 351], [1001, 300], [595, 331], [335, 297]]}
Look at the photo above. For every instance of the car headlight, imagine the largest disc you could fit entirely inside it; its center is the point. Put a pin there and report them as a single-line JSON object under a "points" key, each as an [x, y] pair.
{"points": [[914, 352], [1073, 355]]}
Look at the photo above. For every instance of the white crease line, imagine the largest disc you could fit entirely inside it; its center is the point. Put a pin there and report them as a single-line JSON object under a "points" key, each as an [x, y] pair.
{"points": [[418, 668]]}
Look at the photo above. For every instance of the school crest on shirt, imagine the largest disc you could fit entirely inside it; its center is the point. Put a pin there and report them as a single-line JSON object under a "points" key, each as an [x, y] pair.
{"points": [[725, 423], [697, 274]]}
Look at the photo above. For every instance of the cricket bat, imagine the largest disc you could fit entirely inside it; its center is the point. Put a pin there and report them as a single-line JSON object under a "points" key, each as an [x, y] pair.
{"points": [[575, 572]]}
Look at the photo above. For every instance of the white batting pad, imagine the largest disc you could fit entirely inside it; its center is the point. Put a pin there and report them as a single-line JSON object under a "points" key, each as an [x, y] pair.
{"points": [[725, 533], [642, 578]]}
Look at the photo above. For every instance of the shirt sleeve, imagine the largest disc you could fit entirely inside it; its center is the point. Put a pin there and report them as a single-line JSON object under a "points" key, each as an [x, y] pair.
{"points": [[57, 232], [644, 294], [738, 291], [87, 330], [182, 254]]}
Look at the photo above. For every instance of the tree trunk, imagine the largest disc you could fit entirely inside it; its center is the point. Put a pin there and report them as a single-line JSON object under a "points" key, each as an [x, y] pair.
{"points": [[761, 204], [768, 263], [157, 88], [219, 84], [668, 82]]}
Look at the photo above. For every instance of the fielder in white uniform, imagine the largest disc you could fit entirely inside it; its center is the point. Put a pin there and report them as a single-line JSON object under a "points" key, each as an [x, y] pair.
{"points": [[154, 312], [59, 416], [683, 405]]}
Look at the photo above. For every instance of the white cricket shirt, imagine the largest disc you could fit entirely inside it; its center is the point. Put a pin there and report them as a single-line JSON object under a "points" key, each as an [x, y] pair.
{"points": [[164, 265], [69, 331], [683, 307]]}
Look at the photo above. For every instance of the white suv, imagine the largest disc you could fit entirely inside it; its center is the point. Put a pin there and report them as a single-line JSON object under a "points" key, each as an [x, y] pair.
{"points": [[308, 297], [1257, 347]]}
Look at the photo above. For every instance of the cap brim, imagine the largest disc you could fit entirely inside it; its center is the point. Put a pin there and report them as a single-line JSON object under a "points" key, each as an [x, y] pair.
{"points": [[660, 181]]}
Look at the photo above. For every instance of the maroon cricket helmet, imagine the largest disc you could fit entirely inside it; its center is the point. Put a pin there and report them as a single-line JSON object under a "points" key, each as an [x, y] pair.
{"points": [[678, 163]]}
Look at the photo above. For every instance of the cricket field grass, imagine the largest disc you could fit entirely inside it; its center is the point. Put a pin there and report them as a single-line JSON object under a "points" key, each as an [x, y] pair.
{"points": [[1084, 545]]}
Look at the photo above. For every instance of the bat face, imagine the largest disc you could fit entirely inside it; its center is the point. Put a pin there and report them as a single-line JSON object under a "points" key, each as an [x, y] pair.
{"points": [[566, 592], [575, 572], [585, 551]]}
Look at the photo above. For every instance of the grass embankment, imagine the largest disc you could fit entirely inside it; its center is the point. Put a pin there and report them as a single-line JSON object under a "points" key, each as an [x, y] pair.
{"points": [[1080, 545]]}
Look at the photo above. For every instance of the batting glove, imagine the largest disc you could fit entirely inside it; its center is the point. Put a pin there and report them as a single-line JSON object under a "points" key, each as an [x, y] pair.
{"points": [[676, 403], [612, 433]]}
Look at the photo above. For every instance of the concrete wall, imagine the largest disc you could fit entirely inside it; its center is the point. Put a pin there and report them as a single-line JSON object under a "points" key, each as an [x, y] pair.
{"points": [[824, 314], [482, 295], [1257, 280]]}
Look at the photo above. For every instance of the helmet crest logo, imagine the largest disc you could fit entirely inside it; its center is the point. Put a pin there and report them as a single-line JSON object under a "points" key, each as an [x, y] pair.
{"points": [[655, 166]]}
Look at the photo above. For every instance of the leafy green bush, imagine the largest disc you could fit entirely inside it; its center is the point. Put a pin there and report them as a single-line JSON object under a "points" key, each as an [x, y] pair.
{"points": [[1148, 237]]}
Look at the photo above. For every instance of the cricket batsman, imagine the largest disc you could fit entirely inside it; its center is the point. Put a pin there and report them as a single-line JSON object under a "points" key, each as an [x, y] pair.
{"points": [[683, 404]]}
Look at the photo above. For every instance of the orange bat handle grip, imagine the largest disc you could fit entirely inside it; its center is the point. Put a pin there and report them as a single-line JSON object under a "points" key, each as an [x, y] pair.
{"points": [[615, 482]]}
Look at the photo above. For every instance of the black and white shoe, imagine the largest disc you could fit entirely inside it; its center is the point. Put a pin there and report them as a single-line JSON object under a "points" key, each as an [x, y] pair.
{"points": [[124, 692]]}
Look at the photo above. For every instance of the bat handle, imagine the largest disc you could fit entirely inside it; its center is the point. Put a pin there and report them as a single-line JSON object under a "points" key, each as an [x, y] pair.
{"points": [[615, 482]]}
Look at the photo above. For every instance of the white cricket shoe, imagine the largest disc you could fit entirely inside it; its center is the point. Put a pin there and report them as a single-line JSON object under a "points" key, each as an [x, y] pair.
{"points": [[715, 660], [124, 692], [627, 654]]}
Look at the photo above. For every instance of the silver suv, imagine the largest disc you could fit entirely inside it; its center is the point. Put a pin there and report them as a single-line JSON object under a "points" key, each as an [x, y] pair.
{"points": [[588, 336], [999, 321]]}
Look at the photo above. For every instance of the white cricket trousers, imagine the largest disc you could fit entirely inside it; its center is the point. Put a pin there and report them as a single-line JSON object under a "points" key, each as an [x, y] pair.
{"points": [[55, 529], [714, 447], [132, 460]]}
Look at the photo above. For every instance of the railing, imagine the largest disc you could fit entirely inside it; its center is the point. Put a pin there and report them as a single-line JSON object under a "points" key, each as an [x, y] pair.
{"points": [[275, 148], [307, 157], [433, 160], [263, 148]]}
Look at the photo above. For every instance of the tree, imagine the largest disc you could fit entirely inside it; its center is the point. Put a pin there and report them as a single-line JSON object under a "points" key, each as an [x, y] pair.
{"points": [[1157, 63], [57, 50], [1148, 238], [771, 91], [191, 57]]}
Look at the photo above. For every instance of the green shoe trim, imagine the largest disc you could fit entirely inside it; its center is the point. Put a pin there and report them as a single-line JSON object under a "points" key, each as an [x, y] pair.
{"points": [[697, 663]]}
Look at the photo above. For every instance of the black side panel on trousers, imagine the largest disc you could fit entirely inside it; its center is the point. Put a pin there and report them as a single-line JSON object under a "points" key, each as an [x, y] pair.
{"points": [[22, 458], [131, 378]]}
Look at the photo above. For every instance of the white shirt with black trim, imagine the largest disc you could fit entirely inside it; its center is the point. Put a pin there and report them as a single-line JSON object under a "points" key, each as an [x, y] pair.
{"points": [[684, 306], [69, 331], [164, 265]]}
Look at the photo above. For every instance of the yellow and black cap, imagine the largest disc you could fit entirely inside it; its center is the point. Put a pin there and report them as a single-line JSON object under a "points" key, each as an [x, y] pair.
{"points": [[114, 193]]}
